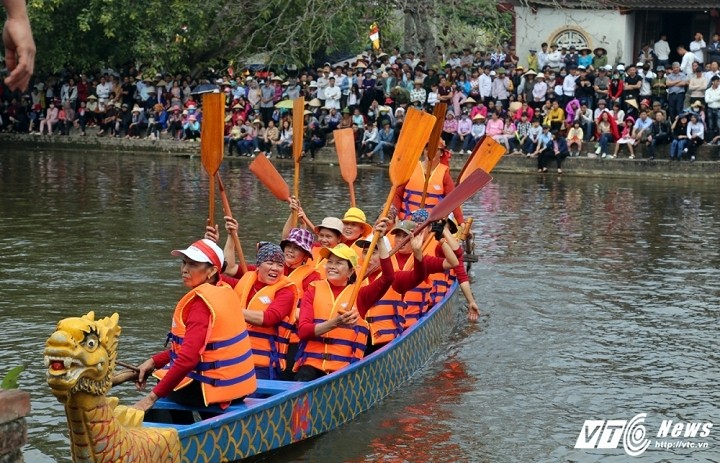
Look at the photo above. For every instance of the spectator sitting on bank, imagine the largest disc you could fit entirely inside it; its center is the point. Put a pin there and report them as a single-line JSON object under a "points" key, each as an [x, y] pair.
{"points": [[555, 117], [122, 121], [555, 148], [626, 138], [138, 123], [191, 129], [450, 127], [696, 135], [386, 140], [67, 118], [464, 127], [477, 131], [606, 132], [575, 138], [659, 134], [678, 146], [270, 138], [642, 128], [158, 122], [50, 120]]}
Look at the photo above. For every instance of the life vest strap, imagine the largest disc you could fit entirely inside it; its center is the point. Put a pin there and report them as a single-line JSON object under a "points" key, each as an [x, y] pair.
{"points": [[228, 342], [221, 382]]}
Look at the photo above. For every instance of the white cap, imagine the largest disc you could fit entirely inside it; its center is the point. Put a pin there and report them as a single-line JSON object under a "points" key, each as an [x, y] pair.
{"points": [[620, 67], [492, 73], [608, 67], [203, 250]]}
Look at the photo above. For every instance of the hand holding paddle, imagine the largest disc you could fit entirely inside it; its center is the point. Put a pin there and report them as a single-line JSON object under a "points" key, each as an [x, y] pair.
{"points": [[228, 213], [212, 142], [298, 133]]}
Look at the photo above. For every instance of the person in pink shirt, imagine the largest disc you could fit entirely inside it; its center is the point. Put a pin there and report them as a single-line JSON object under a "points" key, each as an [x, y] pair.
{"points": [[51, 119], [494, 127], [449, 127], [464, 126]]}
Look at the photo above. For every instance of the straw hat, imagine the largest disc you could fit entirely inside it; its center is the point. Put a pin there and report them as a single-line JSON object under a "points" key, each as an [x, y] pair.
{"points": [[315, 102], [478, 117], [469, 100], [307, 112], [331, 223]]}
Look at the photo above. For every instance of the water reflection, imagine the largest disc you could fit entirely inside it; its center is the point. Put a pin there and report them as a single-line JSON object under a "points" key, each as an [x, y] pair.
{"points": [[599, 300]]}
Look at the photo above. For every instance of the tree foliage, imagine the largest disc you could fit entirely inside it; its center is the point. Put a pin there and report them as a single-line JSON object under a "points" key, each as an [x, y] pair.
{"points": [[188, 35]]}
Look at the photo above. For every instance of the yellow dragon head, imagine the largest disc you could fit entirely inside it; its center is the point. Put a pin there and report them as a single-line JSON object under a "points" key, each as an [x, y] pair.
{"points": [[80, 355]]}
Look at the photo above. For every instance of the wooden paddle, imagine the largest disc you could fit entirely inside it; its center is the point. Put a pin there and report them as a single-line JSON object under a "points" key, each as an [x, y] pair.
{"points": [[485, 156], [413, 136], [475, 182], [212, 141], [345, 145], [235, 237], [266, 172], [439, 113], [298, 133]]}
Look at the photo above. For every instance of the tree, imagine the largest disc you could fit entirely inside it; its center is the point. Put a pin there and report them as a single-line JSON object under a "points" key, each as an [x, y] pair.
{"points": [[184, 35]]}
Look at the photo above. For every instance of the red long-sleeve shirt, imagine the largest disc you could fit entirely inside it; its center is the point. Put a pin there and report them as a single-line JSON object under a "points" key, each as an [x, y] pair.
{"points": [[406, 280], [448, 186], [197, 321], [367, 297]]}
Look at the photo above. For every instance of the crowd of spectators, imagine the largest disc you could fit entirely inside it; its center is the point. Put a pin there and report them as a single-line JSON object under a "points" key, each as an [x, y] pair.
{"points": [[550, 109]]}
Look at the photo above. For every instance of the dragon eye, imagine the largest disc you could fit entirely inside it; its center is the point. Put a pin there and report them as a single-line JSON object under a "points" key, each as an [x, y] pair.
{"points": [[91, 342]]}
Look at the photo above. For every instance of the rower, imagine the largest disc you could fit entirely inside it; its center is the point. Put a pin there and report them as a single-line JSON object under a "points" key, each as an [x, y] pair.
{"points": [[409, 195], [333, 335]]}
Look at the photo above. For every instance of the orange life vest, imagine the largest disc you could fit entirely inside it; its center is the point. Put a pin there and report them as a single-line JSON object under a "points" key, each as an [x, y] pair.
{"points": [[297, 276], [414, 188], [338, 347], [269, 343], [225, 371], [387, 317]]}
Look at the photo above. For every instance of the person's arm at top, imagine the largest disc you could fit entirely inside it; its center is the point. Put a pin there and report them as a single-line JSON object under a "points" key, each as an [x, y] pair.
{"points": [[370, 294], [197, 324], [19, 45], [278, 309], [404, 281]]}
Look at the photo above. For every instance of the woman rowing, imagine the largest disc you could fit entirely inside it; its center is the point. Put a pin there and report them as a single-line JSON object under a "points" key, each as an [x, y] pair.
{"points": [[214, 365], [332, 334], [409, 195], [268, 298]]}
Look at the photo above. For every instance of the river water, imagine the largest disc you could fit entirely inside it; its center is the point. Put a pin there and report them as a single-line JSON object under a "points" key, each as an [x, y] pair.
{"points": [[599, 301]]}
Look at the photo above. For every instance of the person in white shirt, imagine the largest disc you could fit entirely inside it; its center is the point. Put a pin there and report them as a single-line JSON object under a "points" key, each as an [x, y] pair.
{"points": [[568, 85], [686, 65], [542, 56], [712, 100], [539, 91], [485, 85], [554, 58], [662, 51], [332, 94], [322, 83], [714, 71], [697, 47]]}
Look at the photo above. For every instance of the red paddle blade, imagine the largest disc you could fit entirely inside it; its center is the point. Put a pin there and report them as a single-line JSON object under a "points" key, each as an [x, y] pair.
{"points": [[460, 194], [265, 171]]}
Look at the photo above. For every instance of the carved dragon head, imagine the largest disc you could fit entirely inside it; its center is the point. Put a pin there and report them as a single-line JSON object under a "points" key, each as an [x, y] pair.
{"points": [[80, 355]]}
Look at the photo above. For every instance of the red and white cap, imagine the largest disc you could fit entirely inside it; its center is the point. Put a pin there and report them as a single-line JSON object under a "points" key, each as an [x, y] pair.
{"points": [[203, 250]]}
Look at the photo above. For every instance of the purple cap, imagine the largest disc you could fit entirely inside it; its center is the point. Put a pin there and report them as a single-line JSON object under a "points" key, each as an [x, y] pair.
{"points": [[300, 237]]}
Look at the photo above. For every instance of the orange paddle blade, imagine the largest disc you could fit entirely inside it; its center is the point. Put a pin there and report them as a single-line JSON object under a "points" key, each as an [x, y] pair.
{"points": [[212, 131], [298, 126], [265, 171], [413, 137], [485, 156], [345, 145]]}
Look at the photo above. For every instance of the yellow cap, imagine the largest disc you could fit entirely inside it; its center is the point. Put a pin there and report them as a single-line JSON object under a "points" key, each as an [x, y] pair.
{"points": [[343, 251], [356, 215]]}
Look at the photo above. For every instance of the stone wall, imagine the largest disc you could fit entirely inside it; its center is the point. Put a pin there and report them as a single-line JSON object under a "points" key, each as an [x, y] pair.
{"points": [[706, 166], [14, 407]]}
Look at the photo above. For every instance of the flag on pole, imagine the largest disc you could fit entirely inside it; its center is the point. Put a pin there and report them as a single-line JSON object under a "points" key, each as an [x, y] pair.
{"points": [[375, 36]]}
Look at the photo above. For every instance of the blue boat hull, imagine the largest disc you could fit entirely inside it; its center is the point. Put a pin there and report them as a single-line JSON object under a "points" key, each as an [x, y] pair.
{"points": [[297, 411]]}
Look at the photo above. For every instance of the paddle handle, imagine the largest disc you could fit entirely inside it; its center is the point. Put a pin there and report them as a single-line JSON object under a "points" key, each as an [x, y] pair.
{"points": [[425, 188], [465, 229], [127, 365], [228, 212], [296, 191], [352, 194], [376, 236], [211, 206]]}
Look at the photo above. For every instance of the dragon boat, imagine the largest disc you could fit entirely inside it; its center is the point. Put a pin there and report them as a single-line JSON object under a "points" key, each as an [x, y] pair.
{"points": [[81, 356]]}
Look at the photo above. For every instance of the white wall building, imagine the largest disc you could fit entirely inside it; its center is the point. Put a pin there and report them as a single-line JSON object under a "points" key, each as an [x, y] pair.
{"points": [[608, 29]]}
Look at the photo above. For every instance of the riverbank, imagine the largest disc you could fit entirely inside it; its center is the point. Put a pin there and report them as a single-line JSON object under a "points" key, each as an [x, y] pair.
{"points": [[706, 166]]}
